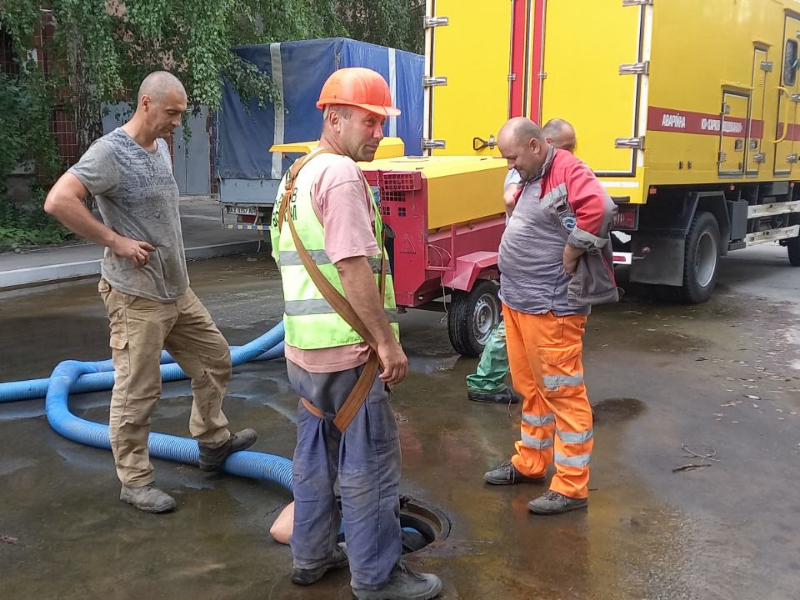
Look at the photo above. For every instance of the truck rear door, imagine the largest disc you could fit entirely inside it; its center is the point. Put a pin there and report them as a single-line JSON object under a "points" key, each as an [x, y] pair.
{"points": [[786, 129], [594, 70], [467, 75]]}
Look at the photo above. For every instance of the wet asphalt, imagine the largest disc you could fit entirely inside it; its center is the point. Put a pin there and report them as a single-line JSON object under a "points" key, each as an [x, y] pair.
{"points": [[721, 379]]}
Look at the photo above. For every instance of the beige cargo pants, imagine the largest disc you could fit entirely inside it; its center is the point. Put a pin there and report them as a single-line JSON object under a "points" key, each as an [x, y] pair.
{"points": [[140, 329]]}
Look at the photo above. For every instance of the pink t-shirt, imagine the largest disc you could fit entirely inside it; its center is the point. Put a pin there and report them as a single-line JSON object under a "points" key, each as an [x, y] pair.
{"points": [[348, 218]]}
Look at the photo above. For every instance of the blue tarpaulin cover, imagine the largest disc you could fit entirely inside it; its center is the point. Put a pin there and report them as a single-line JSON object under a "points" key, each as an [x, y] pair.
{"points": [[299, 70]]}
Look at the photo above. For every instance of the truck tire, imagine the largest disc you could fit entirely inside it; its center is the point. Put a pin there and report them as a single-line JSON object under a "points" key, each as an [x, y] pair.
{"points": [[700, 262], [472, 317]]}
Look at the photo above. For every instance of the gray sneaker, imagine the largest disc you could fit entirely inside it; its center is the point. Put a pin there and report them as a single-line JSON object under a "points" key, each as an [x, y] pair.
{"points": [[507, 474], [211, 459], [337, 560], [147, 498], [553, 503], [403, 584]]}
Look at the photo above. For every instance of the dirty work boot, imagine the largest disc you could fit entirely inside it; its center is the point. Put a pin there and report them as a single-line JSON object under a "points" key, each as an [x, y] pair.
{"points": [[403, 584], [553, 503], [338, 560], [212, 459], [504, 396], [147, 498], [507, 474]]}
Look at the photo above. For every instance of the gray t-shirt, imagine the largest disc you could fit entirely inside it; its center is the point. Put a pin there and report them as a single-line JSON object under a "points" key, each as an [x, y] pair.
{"points": [[532, 275], [137, 196]]}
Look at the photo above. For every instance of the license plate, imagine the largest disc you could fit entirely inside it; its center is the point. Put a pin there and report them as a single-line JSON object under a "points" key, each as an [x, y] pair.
{"points": [[242, 210]]}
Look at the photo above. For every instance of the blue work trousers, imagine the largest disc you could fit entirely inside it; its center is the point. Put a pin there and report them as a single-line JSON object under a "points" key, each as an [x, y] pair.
{"points": [[366, 458]]}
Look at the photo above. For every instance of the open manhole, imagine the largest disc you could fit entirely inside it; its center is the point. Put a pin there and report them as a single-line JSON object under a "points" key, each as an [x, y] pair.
{"points": [[422, 524]]}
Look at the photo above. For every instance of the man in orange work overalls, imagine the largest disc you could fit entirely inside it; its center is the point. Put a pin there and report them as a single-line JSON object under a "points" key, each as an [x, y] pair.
{"points": [[564, 215]]}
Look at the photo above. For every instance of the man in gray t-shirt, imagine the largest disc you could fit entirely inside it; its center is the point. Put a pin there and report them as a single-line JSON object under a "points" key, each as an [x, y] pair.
{"points": [[138, 198], [145, 288]]}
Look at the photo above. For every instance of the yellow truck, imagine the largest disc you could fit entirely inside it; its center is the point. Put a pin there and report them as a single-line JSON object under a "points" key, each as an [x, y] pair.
{"points": [[687, 111]]}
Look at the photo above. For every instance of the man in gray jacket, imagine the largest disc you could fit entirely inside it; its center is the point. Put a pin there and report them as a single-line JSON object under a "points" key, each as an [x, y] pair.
{"points": [[552, 269], [487, 384]]}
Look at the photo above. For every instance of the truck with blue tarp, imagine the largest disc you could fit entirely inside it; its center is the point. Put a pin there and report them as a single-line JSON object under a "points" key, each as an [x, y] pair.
{"points": [[247, 173]]}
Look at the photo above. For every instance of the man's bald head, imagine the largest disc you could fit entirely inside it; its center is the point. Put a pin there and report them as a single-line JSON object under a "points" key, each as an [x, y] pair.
{"points": [[162, 103], [523, 145], [561, 134], [159, 85], [521, 129]]}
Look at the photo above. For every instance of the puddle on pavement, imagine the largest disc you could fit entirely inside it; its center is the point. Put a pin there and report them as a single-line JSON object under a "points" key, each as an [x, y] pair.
{"points": [[617, 410]]}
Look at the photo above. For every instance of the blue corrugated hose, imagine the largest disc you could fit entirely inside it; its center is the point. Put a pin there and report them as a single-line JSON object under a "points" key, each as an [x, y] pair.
{"points": [[73, 376]]}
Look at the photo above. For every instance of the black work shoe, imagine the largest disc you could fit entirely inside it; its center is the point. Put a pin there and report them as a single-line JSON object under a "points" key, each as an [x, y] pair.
{"points": [[147, 498], [337, 560], [553, 503], [403, 584], [506, 396], [507, 474], [212, 459]]}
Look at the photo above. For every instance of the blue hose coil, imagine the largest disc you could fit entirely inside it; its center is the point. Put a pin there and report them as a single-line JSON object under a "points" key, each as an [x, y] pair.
{"points": [[77, 376], [102, 378]]}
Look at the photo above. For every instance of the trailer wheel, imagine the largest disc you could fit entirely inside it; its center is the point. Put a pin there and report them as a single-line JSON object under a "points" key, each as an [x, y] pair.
{"points": [[699, 263], [472, 317]]}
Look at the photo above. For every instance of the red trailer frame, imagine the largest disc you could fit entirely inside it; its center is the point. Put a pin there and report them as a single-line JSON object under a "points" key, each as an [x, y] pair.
{"points": [[459, 260]]}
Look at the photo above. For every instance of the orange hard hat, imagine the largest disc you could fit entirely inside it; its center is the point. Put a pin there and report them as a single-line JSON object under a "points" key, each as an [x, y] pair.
{"points": [[357, 86]]}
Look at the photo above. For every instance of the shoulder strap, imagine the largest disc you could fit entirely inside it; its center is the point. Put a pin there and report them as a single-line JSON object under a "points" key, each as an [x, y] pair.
{"points": [[338, 302]]}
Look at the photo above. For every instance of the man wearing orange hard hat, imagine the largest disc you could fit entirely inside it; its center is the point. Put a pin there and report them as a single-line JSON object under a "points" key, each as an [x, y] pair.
{"points": [[342, 350]]}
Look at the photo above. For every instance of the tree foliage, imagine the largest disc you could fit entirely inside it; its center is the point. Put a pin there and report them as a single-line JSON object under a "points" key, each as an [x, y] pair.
{"points": [[91, 52], [106, 47]]}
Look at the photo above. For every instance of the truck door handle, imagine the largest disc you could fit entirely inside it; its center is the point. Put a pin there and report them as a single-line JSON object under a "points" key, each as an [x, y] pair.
{"points": [[783, 90], [479, 144]]}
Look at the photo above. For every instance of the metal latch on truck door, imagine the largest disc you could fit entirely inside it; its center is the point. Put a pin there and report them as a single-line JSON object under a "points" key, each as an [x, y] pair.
{"points": [[431, 22], [635, 143], [479, 144], [434, 81], [433, 144], [639, 68]]}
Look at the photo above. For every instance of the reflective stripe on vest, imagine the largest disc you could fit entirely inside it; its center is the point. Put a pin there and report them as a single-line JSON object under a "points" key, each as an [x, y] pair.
{"points": [[311, 323]]}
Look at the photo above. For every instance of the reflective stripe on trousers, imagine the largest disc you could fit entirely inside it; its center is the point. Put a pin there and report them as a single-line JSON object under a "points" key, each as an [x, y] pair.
{"points": [[545, 356]]}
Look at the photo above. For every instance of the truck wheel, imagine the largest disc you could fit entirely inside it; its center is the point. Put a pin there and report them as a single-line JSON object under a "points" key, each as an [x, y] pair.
{"points": [[699, 263], [472, 317]]}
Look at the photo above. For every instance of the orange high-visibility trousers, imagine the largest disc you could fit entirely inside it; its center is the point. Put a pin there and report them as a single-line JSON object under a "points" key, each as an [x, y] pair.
{"points": [[545, 356]]}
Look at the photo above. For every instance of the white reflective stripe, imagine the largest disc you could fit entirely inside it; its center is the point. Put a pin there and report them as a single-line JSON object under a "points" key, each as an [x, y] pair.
{"points": [[588, 238], [299, 308], [320, 306], [575, 438], [535, 443], [393, 89], [290, 258], [278, 134], [552, 195], [579, 460], [539, 421], [553, 382]]}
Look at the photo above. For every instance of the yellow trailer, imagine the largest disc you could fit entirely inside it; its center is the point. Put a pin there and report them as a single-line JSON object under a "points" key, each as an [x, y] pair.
{"points": [[687, 111]]}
